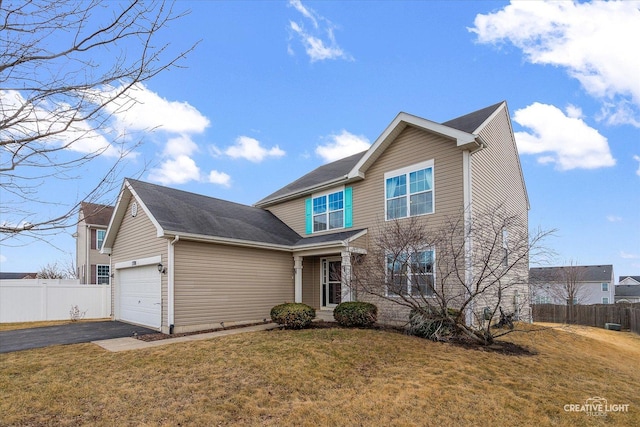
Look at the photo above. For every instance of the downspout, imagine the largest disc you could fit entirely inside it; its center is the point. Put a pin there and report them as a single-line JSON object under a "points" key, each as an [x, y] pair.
{"points": [[468, 262], [468, 218], [87, 265], [171, 284]]}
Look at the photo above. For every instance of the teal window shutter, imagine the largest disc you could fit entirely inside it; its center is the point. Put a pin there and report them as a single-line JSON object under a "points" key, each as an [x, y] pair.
{"points": [[308, 216], [348, 207]]}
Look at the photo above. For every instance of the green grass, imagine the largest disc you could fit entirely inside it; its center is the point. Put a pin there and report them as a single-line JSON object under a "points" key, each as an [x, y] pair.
{"points": [[324, 377]]}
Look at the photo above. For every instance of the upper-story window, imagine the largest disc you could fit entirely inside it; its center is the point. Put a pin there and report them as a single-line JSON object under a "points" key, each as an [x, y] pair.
{"points": [[328, 211], [409, 191], [100, 238], [605, 287]]}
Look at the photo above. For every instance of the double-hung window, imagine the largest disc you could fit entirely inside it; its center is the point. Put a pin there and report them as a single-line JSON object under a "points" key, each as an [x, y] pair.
{"points": [[328, 211], [100, 238], [102, 274], [605, 287], [409, 191], [410, 274]]}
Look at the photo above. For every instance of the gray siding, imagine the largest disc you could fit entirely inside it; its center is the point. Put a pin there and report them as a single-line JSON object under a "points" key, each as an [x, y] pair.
{"points": [[235, 285], [137, 239]]}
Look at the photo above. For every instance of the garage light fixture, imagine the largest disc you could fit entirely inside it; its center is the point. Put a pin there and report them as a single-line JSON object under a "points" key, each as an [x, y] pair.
{"points": [[161, 268]]}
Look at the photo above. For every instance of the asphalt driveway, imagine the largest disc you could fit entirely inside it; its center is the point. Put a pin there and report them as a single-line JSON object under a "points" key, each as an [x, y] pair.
{"points": [[72, 333]]}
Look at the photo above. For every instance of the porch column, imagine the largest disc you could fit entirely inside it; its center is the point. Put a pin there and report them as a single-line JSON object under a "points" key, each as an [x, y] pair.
{"points": [[297, 266], [347, 294]]}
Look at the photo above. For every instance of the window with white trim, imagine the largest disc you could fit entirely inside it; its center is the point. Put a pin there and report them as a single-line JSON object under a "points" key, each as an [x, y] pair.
{"points": [[605, 287], [100, 238], [605, 300], [328, 211], [102, 274], [409, 191], [410, 274]]}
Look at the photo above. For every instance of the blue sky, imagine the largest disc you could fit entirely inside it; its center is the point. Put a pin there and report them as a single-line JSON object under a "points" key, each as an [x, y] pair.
{"points": [[275, 89]]}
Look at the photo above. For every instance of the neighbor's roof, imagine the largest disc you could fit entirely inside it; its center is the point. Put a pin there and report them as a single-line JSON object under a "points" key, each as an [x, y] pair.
{"points": [[181, 212], [636, 278], [461, 129], [96, 214], [627, 291], [15, 276], [584, 273]]}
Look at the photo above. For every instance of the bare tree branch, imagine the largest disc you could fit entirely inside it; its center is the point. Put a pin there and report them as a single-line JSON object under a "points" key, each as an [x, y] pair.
{"points": [[58, 96]]}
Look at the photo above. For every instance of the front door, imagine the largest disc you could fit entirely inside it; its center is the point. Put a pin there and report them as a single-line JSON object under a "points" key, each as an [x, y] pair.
{"points": [[331, 283]]}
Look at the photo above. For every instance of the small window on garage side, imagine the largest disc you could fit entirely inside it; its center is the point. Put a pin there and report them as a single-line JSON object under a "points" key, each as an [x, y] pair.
{"points": [[102, 274]]}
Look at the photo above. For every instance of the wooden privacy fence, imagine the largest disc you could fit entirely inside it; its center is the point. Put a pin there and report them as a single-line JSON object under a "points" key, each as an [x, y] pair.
{"points": [[627, 315]]}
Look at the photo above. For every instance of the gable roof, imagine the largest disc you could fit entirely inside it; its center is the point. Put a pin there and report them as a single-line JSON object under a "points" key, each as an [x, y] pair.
{"points": [[461, 130], [181, 212], [96, 214], [584, 273], [323, 175], [472, 121], [198, 217], [634, 278]]}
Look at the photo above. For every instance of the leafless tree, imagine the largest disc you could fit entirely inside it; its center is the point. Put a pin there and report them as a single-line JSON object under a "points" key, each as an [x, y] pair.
{"points": [[65, 68], [453, 278], [53, 271]]}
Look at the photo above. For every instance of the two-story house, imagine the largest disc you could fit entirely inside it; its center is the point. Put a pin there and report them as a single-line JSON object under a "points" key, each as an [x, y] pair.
{"points": [[583, 284], [92, 266], [186, 262]]}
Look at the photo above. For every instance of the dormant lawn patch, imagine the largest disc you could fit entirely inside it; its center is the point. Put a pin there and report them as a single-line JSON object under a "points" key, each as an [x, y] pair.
{"points": [[325, 376]]}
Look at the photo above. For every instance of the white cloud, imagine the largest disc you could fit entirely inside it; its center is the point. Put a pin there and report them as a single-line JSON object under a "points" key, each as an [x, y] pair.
{"points": [[220, 178], [250, 149], [319, 42], [595, 42], [180, 145], [142, 109], [342, 145], [80, 136], [566, 141], [637, 158], [626, 255], [614, 218], [180, 170]]}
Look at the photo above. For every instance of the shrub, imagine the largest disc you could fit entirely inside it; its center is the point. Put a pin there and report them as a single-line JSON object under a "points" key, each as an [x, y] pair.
{"points": [[356, 313], [293, 315], [433, 323]]}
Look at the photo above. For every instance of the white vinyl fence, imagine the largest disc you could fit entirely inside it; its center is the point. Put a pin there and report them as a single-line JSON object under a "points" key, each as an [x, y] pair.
{"points": [[51, 299]]}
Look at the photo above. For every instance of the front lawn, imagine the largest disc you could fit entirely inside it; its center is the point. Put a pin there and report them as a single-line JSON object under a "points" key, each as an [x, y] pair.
{"points": [[325, 377]]}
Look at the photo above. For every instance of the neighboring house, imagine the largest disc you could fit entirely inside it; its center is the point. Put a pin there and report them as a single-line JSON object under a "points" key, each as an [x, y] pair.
{"points": [[17, 276], [629, 280], [628, 289], [627, 293], [584, 284], [92, 266], [186, 262]]}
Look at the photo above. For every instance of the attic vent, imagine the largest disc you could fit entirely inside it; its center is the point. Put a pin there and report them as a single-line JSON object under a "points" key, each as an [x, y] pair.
{"points": [[134, 209]]}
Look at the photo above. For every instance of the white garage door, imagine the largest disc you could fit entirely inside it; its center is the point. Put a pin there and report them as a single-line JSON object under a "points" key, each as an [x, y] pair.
{"points": [[140, 298]]}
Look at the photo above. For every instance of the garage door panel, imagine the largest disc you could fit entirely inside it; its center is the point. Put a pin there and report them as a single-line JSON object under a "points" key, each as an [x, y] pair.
{"points": [[140, 296]]}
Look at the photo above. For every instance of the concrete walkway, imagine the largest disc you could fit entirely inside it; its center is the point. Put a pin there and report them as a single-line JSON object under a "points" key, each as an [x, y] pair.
{"points": [[125, 344]]}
